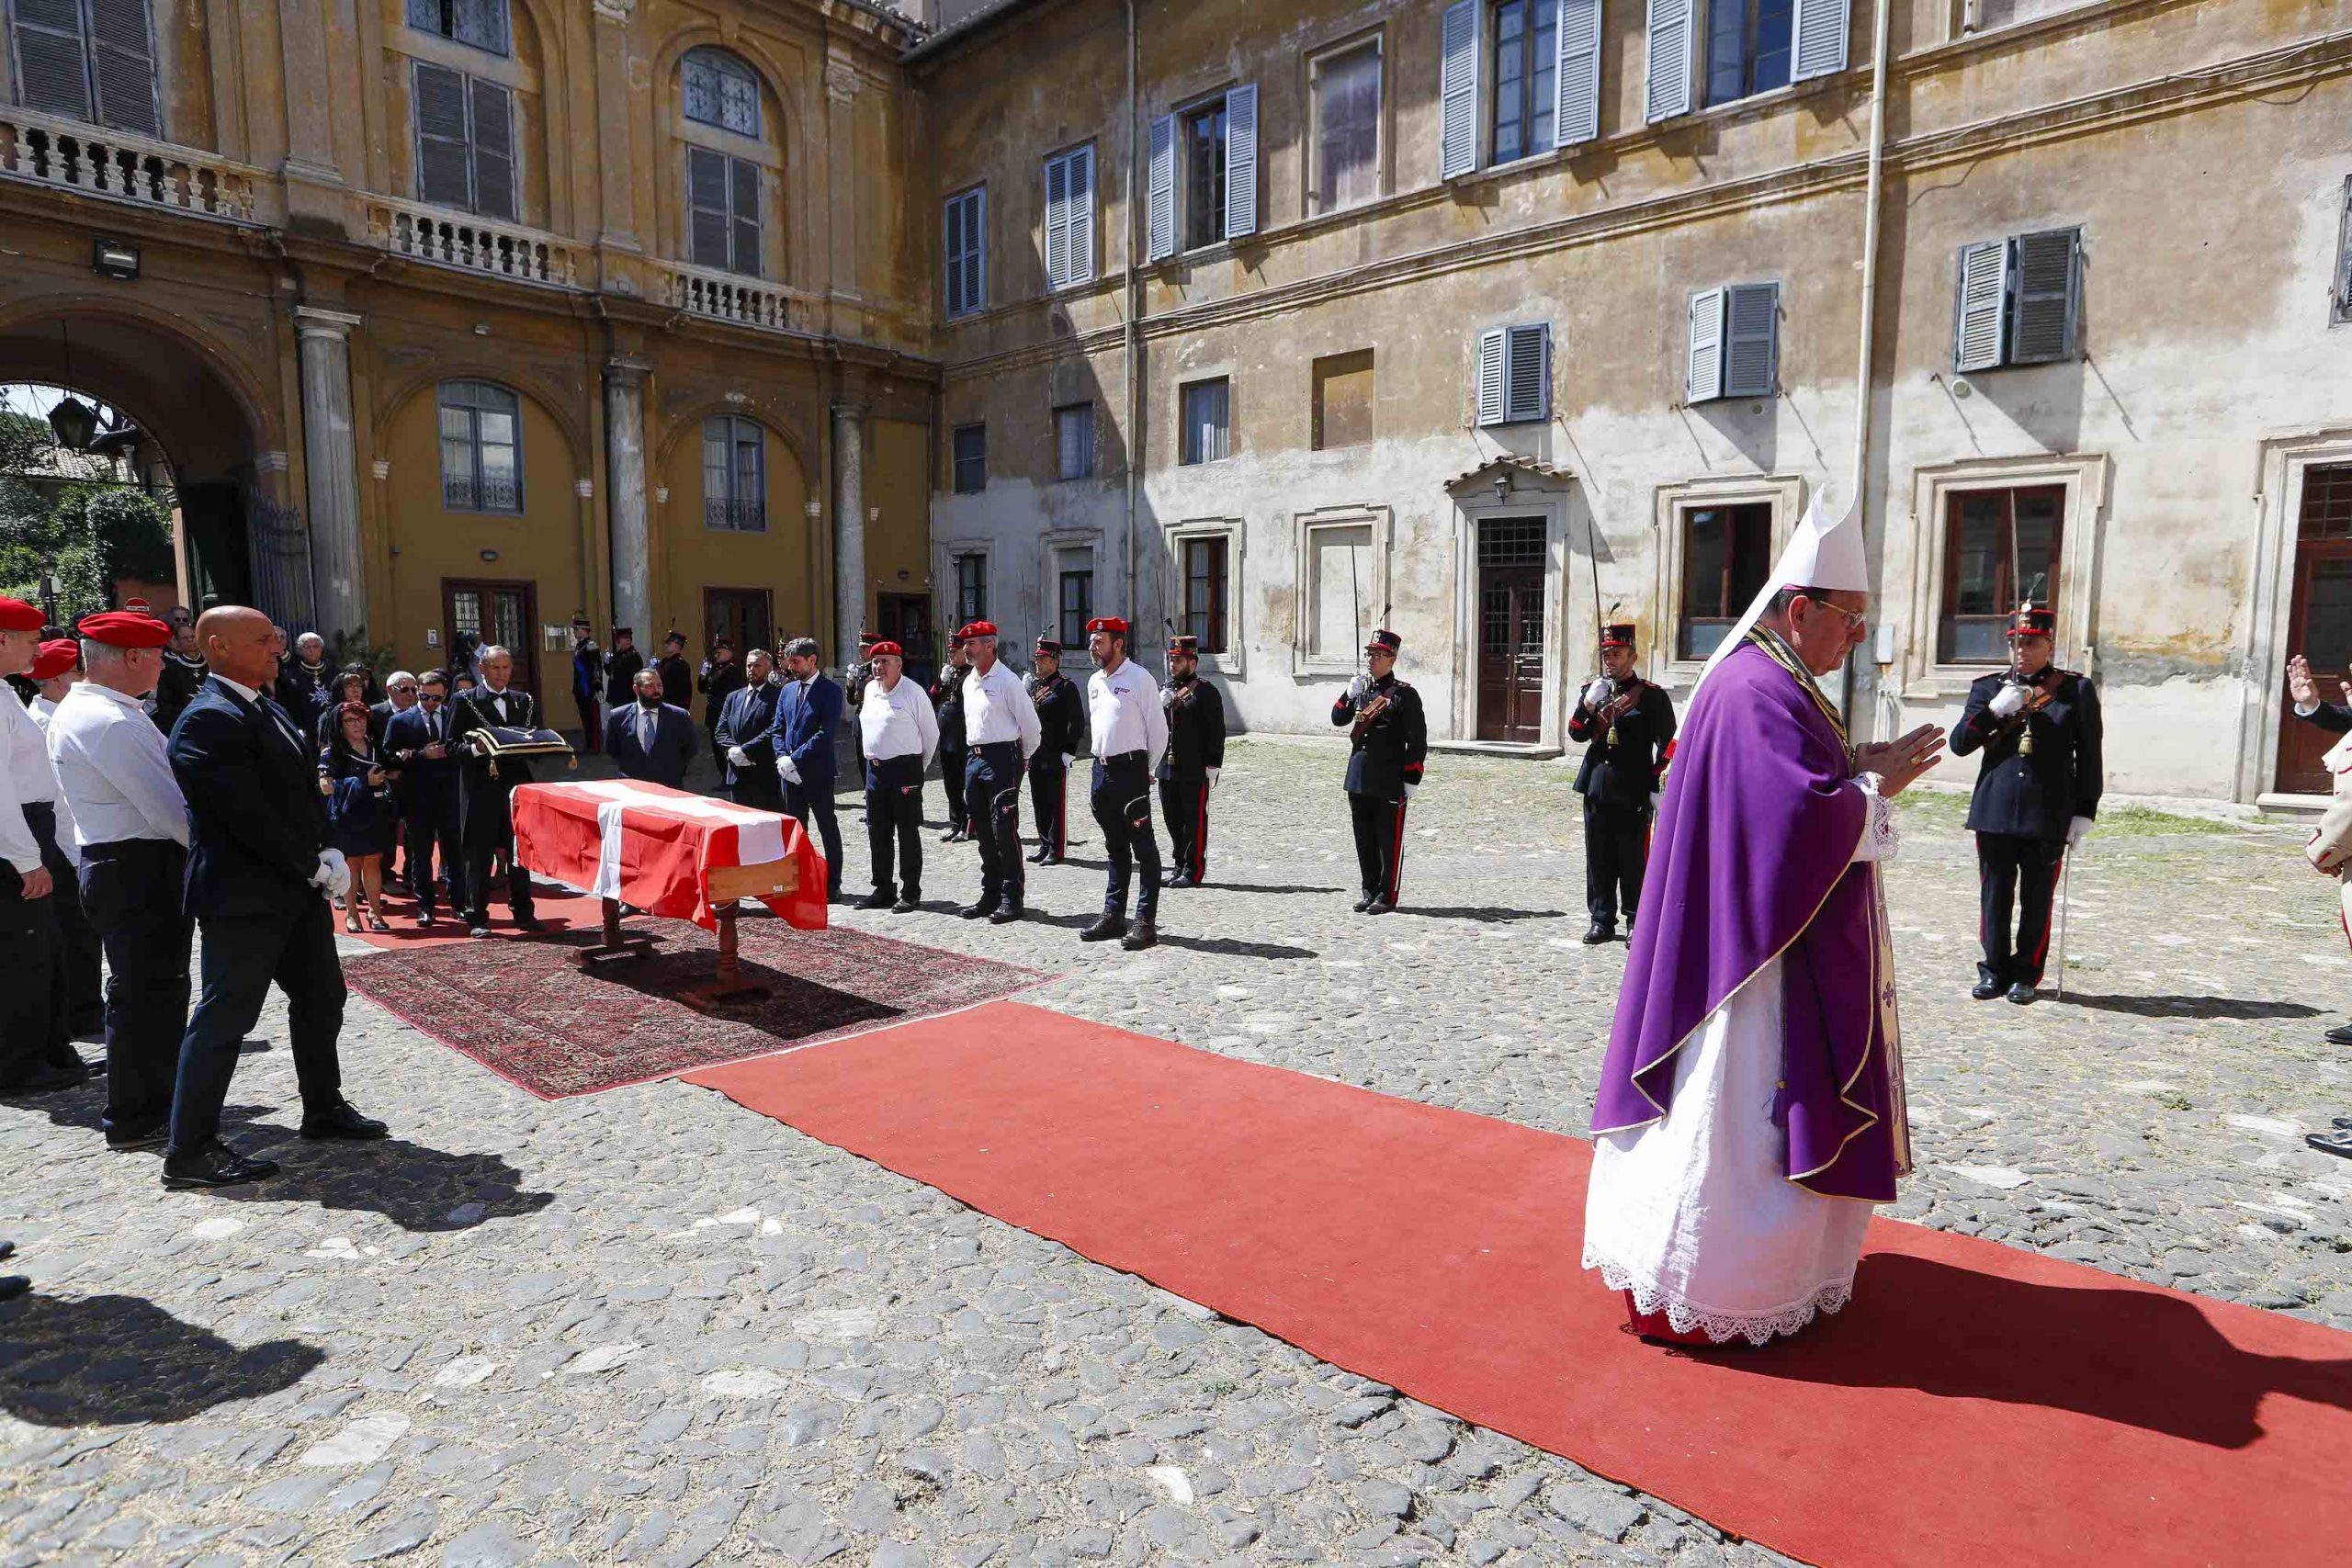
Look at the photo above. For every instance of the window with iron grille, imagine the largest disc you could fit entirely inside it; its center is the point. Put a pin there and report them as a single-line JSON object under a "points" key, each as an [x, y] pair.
{"points": [[482, 23], [971, 589], [88, 60], [971, 459], [1206, 590], [2328, 504], [734, 475], [1511, 541], [1074, 441], [721, 90], [481, 447], [1205, 407], [965, 223], [1726, 553], [2000, 549]]}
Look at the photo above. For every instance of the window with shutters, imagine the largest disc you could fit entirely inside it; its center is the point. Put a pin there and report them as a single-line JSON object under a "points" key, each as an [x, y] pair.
{"points": [[1726, 551], [719, 90], [1525, 57], [1748, 45], [965, 223], [2000, 548], [482, 23], [481, 447], [1203, 152], [2341, 310], [1203, 175], [1074, 441], [1342, 401], [87, 60], [971, 588], [1734, 346], [722, 211], [734, 475], [970, 459], [1344, 145], [2018, 302], [1515, 373], [1070, 217], [1207, 590], [1205, 407], [465, 142]]}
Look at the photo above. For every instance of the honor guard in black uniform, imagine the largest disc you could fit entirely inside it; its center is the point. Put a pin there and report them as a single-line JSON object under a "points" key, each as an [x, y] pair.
{"points": [[1195, 755], [1061, 716], [1626, 724], [621, 666], [947, 695], [2037, 793], [853, 693], [1388, 739]]}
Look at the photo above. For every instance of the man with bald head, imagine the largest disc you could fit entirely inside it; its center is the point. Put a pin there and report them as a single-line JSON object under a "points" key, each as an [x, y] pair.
{"points": [[259, 876], [485, 801]]}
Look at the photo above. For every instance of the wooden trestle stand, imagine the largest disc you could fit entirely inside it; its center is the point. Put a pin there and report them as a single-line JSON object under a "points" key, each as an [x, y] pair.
{"points": [[727, 886]]}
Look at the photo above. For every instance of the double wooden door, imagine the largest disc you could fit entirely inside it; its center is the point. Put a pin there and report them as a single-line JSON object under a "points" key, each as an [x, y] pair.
{"points": [[500, 614]]}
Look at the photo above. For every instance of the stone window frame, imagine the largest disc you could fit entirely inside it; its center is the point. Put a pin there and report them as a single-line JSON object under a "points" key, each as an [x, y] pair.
{"points": [[2285, 461], [1234, 661], [2085, 477], [1567, 511], [764, 152], [1785, 493], [1382, 520], [951, 581], [1311, 160], [1051, 549]]}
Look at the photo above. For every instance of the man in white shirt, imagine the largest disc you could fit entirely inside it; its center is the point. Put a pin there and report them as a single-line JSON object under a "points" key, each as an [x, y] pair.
{"points": [[1130, 732], [1001, 733], [113, 769], [34, 1043], [55, 671], [898, 731]]}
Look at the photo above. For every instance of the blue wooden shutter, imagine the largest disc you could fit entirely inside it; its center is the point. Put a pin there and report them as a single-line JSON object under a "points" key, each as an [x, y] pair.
{"points": [[1242, 162], [1494, 361], [52, 62], [2043, 314], [1576, 114], [1668, 92], [1457, 91], [1819, 39], [1751, 340], [122, 63], [1702, 377], [1980, 307], [1161, 214], [1079, 217], [1527, 393], [1057, 221]]}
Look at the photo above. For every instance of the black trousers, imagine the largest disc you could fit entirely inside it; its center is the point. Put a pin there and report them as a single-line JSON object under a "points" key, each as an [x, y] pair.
{"points": [[2012, 869], [802, 802], [1121, 797], [1185, 807], [1049, 798], [1380, 842], [951, 762], [241, 955], [430, 827], [1616, 849], [993, 796], [592, 721], [77, 940], [759, 786], [489, 830], [33, 1034], [131, 889], [894, 825]]}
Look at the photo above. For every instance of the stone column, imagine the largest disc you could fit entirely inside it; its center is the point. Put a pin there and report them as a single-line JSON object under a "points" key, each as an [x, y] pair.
{"points": [[338, 575], [848, 528], [625, 487], [614, 157]]}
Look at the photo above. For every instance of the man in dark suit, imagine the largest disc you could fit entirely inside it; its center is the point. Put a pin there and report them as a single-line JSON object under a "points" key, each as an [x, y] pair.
{"points": [[418, 739], [485, 807], [745, 742], [1627, 725], [302, 681], [806, 715], [257, 885], [621, 666], [651, 739]]}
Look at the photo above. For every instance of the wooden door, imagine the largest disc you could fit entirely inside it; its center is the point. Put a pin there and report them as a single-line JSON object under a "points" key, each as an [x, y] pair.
{"points": [[1511, 629], [740, 615], [906, 620], [505, 614], [2321, 630]]}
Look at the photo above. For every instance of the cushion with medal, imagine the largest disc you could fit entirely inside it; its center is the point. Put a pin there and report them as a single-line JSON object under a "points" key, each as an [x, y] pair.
{"points": [[498, 740]]}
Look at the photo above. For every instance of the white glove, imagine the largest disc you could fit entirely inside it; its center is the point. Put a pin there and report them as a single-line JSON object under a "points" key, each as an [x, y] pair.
{"points": [[2077, 830], [1597, 694], [2007, 701], [1212, 777], [735, 755], [1068, 760], [1409, 789], [789, 767], [334, 875], [1357, 687]]}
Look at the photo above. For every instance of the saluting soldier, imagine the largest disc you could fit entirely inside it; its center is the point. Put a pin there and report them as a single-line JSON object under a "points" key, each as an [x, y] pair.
{"points": [[1195, 755], [1130, 729], [1626, 724], [947, 695], [2037, 793], [1061, 727], [1388, 739]]}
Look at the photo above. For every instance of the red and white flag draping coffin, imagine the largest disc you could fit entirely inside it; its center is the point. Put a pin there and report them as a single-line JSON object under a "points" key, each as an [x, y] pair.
{"points": [[655, 846]]}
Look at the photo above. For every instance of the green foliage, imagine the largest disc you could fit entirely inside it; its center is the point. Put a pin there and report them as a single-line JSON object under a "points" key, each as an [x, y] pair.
{"points": [[24, 441], [91, 536]]}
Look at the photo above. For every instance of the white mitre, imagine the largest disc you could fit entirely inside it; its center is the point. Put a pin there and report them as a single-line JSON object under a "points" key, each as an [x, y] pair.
{"points": [[1825, 553]]}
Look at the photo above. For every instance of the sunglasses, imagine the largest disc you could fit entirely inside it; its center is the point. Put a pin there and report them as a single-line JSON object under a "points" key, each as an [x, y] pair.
{"points": [[429, 696]]}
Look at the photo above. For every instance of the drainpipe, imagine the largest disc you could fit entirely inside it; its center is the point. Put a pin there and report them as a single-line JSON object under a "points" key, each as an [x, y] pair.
{"points": [[1875, 186], [1132, 340]]}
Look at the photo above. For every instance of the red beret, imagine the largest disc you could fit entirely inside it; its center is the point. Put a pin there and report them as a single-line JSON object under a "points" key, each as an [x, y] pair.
{"points": [[57, 656], [15, 616], [978, 629], [1111, 624], [125, 628], [879, 649]]}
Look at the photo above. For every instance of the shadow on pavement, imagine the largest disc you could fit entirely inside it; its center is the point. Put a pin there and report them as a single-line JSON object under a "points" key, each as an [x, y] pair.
{"points": [[2186, 1006], [98, 1361], [416, 1187], [1485, 914]]}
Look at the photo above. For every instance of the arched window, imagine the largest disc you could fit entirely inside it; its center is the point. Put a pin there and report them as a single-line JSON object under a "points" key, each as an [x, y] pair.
{"points": [[725, 179], [482, 23], [734, 474], [88, 60], [481, 447], [721, 91]]}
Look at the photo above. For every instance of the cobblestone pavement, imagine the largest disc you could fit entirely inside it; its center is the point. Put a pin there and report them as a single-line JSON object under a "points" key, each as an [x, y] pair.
{"points": [[652, 1328]]}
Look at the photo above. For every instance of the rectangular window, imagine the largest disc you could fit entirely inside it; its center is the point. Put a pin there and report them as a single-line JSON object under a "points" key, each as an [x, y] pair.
{"points": [[2000, 548], [2018, 301], [481, 447], [734, 475], [1748, 47], [88, 60], [482, 23], [1735, 346], [1074, 441], [1074, 578], [1526, 58], [2343, 301], [1515, 373], [971, 589], [723, 211], [1726, 553], [1069, 218], [1345, 145], [1206, 410], [1340, 589], [1985, 16], [465, 142], [971, 459], [1343, 400], [1203, 149], [967, 223], [1205, 591]]}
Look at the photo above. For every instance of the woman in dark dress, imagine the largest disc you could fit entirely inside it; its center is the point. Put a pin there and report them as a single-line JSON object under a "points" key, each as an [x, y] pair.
{"points": [[348, 686], [357, 782]]}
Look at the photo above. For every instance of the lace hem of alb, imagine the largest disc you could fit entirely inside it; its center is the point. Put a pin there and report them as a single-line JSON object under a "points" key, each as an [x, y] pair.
{"points": [[1756, 1328], [1881, 831]]}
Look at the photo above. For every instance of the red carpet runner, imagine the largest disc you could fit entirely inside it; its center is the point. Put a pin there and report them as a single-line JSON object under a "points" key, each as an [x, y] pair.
{"points": [[1977, 1403]]}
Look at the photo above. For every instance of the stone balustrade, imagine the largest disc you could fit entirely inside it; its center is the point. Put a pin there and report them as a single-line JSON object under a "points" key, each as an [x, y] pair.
{"points": [[744, 301], [448, 238], [93, 161]]}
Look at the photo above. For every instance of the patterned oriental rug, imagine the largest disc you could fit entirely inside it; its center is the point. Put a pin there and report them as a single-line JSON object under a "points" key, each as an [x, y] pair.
{"points": [[521, 1009]]}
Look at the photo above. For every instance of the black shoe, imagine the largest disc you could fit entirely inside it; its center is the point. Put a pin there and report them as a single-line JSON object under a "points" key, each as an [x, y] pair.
{"points": [[1986, 990], [1004, 914], [215, 1165], [1035, 856], [478, 933], [2331, 1143], [340, 1120], [1361, 905], [8, 1249], [906, 905], [13, 1285], [1107, 925], [975, 911], [527, 923], [2340, 1035], [1598, 932], [2022, 993], [66, 1059], [880, 898], [122, 1140], [427, 921], [1182, 879], [45, 1079], [1053, 859], [1140, 935], [1381, 905]]}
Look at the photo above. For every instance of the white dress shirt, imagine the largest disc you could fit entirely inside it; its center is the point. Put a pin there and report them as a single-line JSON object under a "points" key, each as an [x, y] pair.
{"points": [[1123, 706], [68, 842], [25, 779], [114, 770], [899, 722], [997, 709]]}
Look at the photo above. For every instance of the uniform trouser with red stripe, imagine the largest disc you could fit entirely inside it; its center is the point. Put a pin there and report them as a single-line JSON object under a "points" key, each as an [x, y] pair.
{"points": [[1049, 796], [1184, 806], [2014, 869], [1380, 842]]}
